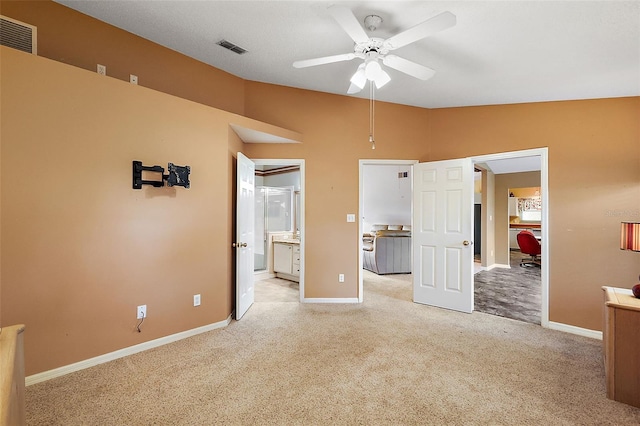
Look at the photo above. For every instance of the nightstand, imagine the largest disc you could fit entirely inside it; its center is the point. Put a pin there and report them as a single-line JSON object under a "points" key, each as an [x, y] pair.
{"points": [[622, 345]]}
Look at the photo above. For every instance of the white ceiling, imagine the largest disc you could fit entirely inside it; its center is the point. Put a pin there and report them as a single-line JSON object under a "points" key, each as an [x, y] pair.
{"points": [[498, 53], [515, 165]]}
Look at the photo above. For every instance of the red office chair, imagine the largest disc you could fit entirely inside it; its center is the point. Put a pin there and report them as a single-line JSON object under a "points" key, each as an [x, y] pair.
{"points": [[531, 246]]}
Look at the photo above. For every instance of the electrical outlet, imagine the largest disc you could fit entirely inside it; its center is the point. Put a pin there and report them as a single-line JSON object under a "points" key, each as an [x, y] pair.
{"points": [[133, 79], [196, 300], [351, 217], [341, 278], [141, 312], [102, 69]]}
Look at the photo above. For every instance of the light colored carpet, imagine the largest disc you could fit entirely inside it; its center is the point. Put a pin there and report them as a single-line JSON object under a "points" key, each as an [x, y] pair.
{"points": [[386, 361]]}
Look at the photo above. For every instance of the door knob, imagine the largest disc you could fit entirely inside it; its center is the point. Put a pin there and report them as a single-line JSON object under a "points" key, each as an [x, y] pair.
{"points": [[467, 243], [243, 244], [236, 245]]}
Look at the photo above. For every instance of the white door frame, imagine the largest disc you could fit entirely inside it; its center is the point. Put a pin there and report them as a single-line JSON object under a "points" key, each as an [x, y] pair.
{"points": [[544, 222], [363, 163], [295, 162]]}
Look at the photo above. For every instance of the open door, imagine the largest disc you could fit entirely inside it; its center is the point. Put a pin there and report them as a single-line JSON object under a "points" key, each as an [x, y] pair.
{"points": [[442, 234], [245, 212]]}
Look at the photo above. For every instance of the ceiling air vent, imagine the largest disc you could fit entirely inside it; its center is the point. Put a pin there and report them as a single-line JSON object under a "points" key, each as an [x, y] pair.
{"points": [[232, 47], [18, 35]]}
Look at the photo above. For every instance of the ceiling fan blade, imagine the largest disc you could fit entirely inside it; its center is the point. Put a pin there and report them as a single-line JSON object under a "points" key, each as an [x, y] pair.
{"points": [[349, 23], [430, 26], [324, 60], [408, 67]]}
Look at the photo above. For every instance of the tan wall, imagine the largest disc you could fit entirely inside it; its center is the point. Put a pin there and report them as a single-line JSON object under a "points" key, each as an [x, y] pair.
{"points": [[594, 183], [69, 269], [503, 184], [84, 248], [336, 131], [584, 184], [68, 36]]}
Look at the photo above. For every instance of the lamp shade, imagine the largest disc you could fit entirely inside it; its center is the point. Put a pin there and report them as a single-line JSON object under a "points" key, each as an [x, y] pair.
{"points": [[630, 236]]}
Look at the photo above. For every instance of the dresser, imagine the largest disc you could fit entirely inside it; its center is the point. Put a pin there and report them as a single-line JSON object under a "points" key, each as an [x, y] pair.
{"points": [[622, 345]]}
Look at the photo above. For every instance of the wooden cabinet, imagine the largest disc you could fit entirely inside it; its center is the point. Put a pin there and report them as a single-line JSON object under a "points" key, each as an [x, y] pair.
{"points": [[286, 260], [12, 405], [621, 345]]}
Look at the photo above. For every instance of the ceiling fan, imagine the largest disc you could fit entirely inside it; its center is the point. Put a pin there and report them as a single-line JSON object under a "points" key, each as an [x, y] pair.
{"points": [[373, 49]]}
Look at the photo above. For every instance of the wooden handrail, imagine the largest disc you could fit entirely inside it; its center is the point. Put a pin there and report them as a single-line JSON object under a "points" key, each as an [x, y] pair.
{"points": [[12, 411]]}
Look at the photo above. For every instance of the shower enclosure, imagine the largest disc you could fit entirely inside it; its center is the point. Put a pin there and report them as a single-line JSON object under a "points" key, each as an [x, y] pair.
{"points": [[274, 207]]}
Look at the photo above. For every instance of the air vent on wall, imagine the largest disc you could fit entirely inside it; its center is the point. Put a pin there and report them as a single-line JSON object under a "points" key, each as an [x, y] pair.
{"points": [[232, 47], [18, 35]]}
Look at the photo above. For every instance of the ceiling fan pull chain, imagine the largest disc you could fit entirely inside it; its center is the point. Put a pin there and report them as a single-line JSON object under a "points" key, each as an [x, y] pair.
{"points": [[372, 115]]}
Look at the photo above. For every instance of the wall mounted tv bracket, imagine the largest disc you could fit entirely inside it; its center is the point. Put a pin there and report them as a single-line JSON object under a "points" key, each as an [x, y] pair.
{"points": [[178, 175]]}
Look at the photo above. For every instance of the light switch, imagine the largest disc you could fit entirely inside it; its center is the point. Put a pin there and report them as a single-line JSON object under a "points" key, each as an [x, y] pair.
{"points": [[351, 218]]}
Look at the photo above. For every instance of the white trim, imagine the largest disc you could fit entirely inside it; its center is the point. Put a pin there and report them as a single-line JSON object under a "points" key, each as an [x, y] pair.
{"points": [[331, 300], [101, 359], [361, 164], [593, 334], [498, 265], [544, 223], [298, 162]]}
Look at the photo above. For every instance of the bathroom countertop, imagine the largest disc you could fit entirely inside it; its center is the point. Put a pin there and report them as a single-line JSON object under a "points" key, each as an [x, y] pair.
{"points": [[286, 240]]}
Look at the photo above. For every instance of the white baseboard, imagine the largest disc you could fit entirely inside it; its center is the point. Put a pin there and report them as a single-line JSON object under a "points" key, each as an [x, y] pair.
{"points": [[330, 300], [498, 265], [575, 330], [101, 359]]}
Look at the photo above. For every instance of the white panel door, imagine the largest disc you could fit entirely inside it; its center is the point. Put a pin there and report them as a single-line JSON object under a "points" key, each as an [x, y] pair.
{"points": [[245, 213], [442, 234]]}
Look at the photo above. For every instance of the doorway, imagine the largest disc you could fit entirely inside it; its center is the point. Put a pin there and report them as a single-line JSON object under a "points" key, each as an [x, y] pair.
{"points": [[367, 220], [495, 223], [280, 194], [488, 243], [509, 285]]}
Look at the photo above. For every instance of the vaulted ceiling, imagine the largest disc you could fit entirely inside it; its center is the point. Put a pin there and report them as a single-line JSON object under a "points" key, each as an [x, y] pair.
{"points": [[499, 52]]}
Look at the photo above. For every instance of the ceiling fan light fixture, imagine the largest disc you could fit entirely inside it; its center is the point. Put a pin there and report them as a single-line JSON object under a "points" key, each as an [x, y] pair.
{"points": [[359, 79], [382, 79], [353, 89], [372, 70]]}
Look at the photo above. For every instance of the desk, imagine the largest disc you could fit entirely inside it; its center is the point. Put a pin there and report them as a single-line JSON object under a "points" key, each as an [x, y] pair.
{"points": [[621, 345]]}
